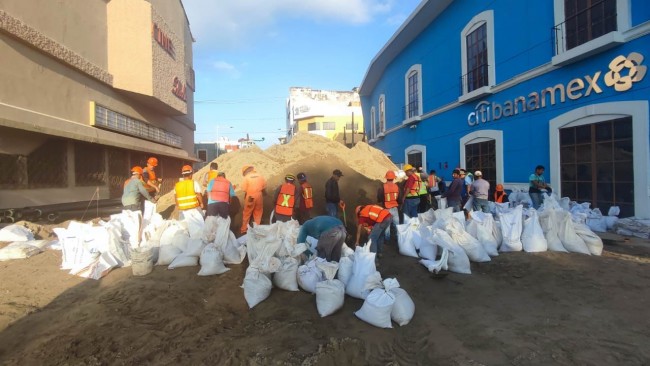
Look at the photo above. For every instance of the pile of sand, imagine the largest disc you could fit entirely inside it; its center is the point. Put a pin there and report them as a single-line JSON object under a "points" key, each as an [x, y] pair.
{"points": [[363, 168]]}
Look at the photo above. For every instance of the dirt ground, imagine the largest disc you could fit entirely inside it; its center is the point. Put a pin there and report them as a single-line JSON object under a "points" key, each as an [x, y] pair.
{"points": [[519, 309]]}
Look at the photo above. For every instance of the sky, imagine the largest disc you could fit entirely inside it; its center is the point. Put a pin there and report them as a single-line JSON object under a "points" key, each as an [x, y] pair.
{"points": [[248, 53]]}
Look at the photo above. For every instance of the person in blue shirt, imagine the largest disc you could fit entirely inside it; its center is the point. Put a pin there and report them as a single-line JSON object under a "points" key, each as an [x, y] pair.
{"points": [[330, 233], [219, 192], [537, 186]]}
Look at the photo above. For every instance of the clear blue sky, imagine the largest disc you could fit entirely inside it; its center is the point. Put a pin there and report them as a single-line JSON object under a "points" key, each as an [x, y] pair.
{"points": [[248, 53]]}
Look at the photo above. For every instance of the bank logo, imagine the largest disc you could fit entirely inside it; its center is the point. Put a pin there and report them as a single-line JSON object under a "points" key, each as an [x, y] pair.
{"points": [[617, 77]]}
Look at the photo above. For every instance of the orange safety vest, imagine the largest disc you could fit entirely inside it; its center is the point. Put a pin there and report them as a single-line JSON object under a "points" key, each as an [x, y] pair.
{"points": [[415, 190], [498, 198], [432, 181], [391, 192], [220, 190], [374, 213], [286, 198], [152, 180], [185, 195], [307, 195]]}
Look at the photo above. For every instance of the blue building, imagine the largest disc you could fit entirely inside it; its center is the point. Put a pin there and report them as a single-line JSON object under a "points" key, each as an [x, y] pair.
{"points": [[503, 86]]}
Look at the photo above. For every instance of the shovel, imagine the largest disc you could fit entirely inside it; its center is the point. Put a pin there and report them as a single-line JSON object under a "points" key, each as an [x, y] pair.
{"points": [[342, 206]]}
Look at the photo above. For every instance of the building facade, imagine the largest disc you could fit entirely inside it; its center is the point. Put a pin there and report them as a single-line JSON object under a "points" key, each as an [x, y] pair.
{"points": [[89, 89], [336, 115], [504, 86]]}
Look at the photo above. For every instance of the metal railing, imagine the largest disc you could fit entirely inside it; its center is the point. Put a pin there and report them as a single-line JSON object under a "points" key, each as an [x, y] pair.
{"points": [[585, 25], [476, 78], [411, 109]]}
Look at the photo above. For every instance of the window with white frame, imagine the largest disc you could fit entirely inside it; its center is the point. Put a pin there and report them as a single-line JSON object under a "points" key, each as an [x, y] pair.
{"points": [[329, 126], [413, 95], [477, 56], [583, 27], [416, 155], [382, 114], [202, 154], [373, 121]]}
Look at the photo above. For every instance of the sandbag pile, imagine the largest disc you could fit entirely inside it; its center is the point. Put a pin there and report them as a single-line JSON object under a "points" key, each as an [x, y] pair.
{"points": [[22, 244], [444, 240]]}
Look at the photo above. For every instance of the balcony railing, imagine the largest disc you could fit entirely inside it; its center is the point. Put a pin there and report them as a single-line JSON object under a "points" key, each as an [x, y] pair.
{"points": [[474, 79], [590, 23], [411, 109]]}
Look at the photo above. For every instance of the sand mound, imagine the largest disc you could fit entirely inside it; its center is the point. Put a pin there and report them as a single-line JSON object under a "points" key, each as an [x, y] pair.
{"points": [[363, 166]]}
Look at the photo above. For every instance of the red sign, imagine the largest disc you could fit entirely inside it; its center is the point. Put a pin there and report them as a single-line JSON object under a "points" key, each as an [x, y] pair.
{"points": [[163, 40], [179, 89]]}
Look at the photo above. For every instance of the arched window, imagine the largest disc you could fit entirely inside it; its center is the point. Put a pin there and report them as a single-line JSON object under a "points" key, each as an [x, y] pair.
{"points": [[382, 114], [477, 56], [413, 92]]}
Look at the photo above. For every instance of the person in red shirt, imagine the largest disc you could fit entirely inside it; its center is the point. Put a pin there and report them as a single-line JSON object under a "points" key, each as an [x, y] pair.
{"points": [[374, 219]]}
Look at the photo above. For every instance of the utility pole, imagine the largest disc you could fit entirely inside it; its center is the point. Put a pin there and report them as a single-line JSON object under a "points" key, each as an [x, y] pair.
{"points": [[352, 128]]}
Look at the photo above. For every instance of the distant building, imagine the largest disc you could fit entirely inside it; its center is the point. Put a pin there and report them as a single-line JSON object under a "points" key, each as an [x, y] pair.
{"points": [[333, 114], [504, 86], [206, 152], [89, 89]]}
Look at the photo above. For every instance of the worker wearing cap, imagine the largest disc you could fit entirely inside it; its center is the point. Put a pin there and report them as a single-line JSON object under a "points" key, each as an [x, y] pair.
{"points": [[151, 183], [287, 199], [307, 201], [254, 187], [134, 191], [480, 191], [187, 193], [411, 191], [499, 195], [389, 196], [219, 193], [375, 220], [332, 196]]}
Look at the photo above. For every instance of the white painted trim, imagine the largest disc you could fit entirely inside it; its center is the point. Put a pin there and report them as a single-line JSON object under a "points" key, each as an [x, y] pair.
{"points": [[594, 113], [486, 17], [481, 136], [418, 69], [417, 148], [382, 114]]}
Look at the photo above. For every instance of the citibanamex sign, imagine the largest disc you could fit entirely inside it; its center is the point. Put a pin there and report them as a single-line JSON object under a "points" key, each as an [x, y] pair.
{"points": [[623, 72]]}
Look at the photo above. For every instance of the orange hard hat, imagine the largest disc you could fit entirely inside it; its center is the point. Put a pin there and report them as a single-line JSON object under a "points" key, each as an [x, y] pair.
{"points": [[153, 161], [499, 187], [186, 169], [136, 169], [245, 168], [390, 174]]}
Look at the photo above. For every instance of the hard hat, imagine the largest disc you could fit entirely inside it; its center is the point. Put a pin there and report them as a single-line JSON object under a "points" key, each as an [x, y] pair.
{"points": [[407, 167], [186, 169], [136, 169], [153, 161], [245, 168], [290, 177], [499, 187], [302, 176], [390, 174]]}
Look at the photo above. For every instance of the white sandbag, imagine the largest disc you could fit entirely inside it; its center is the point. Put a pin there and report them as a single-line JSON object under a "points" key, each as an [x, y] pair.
{"points": [[262, 242], [183, 261], [180, 240], [471, 228], [403, 308], [570, 240], [377, 307], [442, 202], [485, 236], [194, 247], [501, 207], [15, 232], [330, 293], [565, 203], [211, 261], [130, 222], [288, 235], [345, 269], [474, 249], [443, 213], [610, 221], [257, 287], [594, 242], [469, 205], [268, 265], [346, 251], [167, 254], [434, 266], [74, 253], [460, 217], [309, 275], [233, 251], [194, 221], [363, 267], [511, 226], [98, 268], [286, 277], [614, 211], [548, 220], [428, 250], [298, 249], [496, 232], [141, 261], [532, 236], [458, 261], [427, 218], [596, 221], [210, 227], [18, 250], [407, 236]]}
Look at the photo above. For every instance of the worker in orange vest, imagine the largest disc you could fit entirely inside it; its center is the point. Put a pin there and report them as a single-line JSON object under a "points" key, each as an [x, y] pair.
{"points": [[499, 195], [219, 193], [307, 201], [151, 183], [374, 219], [187, 193], [287, 199], [254, 186], [389, 196]]}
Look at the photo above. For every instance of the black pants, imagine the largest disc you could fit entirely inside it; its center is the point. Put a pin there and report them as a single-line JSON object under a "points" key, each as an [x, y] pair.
{"points": [[219, 209], [424, 203]]}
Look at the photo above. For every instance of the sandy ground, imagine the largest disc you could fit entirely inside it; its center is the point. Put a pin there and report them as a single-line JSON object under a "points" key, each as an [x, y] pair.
{"points": [[519, 309]]}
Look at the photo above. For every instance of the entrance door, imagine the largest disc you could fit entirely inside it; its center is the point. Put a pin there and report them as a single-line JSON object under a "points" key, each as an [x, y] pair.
{"points": [[415, 158], [596, 165], [482, 156]]}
